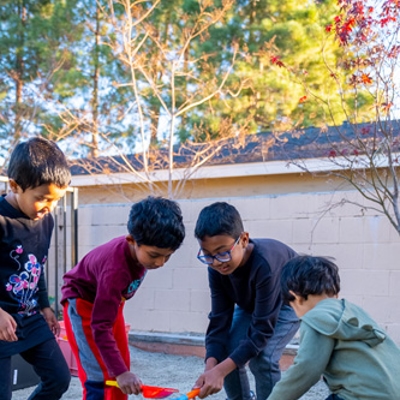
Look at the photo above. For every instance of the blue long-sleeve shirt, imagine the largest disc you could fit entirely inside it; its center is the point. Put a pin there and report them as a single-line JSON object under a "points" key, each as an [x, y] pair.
{"points": [[255, 287]]}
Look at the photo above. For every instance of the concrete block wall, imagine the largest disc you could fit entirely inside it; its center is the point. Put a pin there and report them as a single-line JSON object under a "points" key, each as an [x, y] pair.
{"points": [[175, 298]]}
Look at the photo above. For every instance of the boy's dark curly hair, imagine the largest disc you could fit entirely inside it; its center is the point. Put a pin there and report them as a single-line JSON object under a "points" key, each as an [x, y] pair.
{"points": [[156, 221], [306, 275], [219, 218], [36, 162]]}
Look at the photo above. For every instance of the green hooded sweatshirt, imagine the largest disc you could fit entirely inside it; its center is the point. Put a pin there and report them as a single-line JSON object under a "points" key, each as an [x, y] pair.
{"points": [[340, 341]]}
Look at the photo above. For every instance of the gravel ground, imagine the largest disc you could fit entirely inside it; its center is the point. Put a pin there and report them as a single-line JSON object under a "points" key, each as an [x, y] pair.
{"points": [[166, 370]]}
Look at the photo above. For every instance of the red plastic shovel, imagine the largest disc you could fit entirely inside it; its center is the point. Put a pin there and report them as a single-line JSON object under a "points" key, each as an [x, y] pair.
{"points": [[150, 392]]}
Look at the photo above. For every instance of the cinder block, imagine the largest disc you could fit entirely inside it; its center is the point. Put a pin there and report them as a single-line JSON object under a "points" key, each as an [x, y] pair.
{"points": [[378, 307], [394, 235], [302, 231], [151, 321], [188, 322], [345, 204], [381, 255], [302, 248], [200, 300], [292, 206], [182, 258], [394, 312], [172, 300], [86, 235], [85, 215], [375, 283], [351, 229], [326, 204], [393, 331], [324, 249], [159, 278], [185, 206], [83, 250], [394, 284], [349, 256], [112, 214], [97, 235], [275, 229], [376, 229], [258, 208], [326, 230], [351, 282], [108, 232], [197, 205], [191, 278], [142, 300]]}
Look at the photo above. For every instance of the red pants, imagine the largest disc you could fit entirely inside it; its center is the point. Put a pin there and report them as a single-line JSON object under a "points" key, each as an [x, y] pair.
{"points": [[83, 312]]}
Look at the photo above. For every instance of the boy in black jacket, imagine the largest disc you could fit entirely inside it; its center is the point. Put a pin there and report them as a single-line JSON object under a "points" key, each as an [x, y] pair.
{"points": [[248, 322]]}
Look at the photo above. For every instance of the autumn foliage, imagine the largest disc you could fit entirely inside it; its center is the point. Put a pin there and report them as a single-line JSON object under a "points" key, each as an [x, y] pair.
{"points": [[362, 142], [370, 35]]}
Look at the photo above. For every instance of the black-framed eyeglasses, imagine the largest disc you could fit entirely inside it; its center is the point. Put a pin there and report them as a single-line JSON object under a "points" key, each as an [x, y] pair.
{"points": [[225, 256]]}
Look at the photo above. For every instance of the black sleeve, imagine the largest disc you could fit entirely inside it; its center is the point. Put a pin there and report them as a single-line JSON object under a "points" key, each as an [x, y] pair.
{"points": [[220, 318]]}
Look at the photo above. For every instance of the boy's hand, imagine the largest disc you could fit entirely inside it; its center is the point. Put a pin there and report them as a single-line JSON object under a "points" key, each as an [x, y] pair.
{"points": [[129, 383], [51, 320], [209, 382], [8, 326]]}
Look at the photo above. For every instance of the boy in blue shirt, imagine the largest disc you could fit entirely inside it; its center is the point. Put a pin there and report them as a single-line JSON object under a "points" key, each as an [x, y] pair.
{"points": [[338, 339], [38, 177], [248, 321]]}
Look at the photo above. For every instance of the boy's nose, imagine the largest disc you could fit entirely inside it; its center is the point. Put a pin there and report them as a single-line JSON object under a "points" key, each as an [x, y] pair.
{"points": [[216, 263], [161, 261]]}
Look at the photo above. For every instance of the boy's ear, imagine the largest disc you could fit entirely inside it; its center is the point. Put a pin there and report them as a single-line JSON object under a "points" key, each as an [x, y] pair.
{"points": [[130, 239], [245, 238], [13, 185], [297, 298]]}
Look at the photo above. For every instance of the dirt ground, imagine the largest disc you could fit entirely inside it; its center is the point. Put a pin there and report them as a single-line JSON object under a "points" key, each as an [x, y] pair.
{"points": [[166, 370]]}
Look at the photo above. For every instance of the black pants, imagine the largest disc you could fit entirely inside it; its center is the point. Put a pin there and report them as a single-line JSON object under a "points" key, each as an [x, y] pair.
{"points": [[49, 363], [333, 397]]}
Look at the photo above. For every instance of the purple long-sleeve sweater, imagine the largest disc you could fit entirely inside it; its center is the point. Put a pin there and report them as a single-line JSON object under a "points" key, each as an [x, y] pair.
{"points": [[105, 276]]}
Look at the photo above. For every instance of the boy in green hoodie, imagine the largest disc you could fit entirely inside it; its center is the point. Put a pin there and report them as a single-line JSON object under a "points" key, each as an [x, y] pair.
{"points": [[338, 339]]}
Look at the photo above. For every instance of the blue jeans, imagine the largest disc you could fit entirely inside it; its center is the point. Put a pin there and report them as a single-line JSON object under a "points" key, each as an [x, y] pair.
{"points": [[265, 366], [49, 363]]}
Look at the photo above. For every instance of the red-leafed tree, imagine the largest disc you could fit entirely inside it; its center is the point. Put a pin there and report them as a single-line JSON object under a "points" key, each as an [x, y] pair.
{"points": [[365, 149]]}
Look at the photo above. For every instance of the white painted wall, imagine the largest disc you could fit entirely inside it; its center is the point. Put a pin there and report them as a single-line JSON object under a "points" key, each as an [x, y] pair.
{"points": [[176, 298]]}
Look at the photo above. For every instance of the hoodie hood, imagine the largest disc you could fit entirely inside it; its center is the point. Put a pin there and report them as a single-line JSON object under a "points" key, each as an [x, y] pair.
{"points": [[342, 320]]}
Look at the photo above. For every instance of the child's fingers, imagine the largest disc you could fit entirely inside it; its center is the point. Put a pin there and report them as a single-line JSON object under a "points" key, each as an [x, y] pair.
{"points": [[12, 335], [56, 329], [13, 323], [8, 334]]}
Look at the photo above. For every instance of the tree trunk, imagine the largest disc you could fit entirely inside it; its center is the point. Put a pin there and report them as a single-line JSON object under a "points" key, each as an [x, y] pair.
{"points": [[95, 97]]}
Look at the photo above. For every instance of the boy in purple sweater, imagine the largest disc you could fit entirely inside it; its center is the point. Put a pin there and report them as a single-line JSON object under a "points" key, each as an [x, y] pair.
{"points": [[248, 321], [94, 292]]}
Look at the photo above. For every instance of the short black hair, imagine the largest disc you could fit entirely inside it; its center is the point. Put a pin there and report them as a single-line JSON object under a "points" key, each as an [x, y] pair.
{"points": [[36, 162], [156, 221], [306, 275], [219, 218]]}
